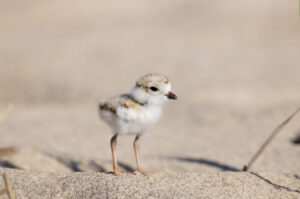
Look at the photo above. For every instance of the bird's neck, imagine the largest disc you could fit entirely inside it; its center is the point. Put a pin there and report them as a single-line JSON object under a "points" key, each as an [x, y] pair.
{"points": [[141, 97], [136, 100]]}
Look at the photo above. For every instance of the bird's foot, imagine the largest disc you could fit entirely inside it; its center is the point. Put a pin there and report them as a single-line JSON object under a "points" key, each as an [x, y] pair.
{"points": [[119, 171], [143, 172]]}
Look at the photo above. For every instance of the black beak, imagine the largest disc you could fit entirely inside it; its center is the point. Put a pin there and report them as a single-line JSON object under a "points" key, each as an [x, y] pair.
{"points": [[171, 95]]}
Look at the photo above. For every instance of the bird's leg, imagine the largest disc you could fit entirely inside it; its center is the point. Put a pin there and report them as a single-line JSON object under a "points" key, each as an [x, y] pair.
{"points": [[135, 147], [113, 144]]}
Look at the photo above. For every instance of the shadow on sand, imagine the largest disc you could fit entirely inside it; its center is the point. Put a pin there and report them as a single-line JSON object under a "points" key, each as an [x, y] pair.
{"points": [[211, 163], [225, 167], [7, 164], [77, 166], [91, 165]]}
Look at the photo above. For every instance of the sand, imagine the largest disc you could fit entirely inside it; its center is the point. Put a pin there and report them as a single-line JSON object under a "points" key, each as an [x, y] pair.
{"points": [[160, 185], [233, 65]]}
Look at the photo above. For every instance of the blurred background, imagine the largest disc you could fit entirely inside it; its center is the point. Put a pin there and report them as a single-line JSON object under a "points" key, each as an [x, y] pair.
{"points": [[233, 64]]}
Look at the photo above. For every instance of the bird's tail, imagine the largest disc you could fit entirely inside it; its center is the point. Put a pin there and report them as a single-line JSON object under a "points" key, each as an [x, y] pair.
{"points": [[101, 106]]}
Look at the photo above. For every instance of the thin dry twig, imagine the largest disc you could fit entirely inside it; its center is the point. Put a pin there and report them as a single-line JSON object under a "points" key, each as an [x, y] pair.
{"points": [[2, 191], [8, 108], [7, 151], [9, 191], [273, 134]]}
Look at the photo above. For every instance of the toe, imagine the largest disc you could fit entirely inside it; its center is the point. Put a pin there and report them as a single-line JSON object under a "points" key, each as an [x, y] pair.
{"points": [[143, 172], [119, 172]]}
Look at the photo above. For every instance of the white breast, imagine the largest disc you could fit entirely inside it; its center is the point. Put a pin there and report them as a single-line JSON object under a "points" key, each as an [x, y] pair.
{"points": [[145, 119], [150, 115]]}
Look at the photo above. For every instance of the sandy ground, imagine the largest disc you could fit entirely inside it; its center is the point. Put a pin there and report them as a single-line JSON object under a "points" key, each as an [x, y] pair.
{"points": [[160, 185], [234, 66]]}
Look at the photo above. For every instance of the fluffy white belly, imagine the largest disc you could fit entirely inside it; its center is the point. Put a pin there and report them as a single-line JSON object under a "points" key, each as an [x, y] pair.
{"points": [[138, 122], [145, 120]]}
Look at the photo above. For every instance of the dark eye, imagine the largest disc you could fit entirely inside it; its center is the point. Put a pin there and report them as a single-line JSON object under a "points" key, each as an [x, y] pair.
{"points": [[153, 88]]}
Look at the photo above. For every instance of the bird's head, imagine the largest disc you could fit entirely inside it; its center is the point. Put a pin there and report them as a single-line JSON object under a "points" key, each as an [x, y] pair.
{"points": [[153, 89]]}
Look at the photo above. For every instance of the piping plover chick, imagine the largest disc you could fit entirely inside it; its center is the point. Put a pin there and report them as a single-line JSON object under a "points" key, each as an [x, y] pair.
{"points": [[136, 112]]}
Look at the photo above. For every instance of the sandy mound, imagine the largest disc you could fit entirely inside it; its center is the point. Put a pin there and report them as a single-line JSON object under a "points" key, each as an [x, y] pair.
{"points": [[26, 184]]}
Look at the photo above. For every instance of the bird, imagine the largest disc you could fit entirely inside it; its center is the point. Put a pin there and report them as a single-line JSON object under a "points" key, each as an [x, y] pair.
{"points": [[136, 112]]}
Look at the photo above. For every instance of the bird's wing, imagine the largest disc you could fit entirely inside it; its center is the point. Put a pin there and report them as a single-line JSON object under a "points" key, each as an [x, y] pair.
{"points": [[121, 106]]}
